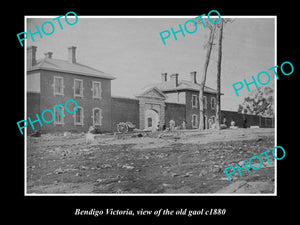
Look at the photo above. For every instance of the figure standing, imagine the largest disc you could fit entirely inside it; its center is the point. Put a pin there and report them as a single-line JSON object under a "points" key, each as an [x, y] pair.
{"points": [[172, 125]]}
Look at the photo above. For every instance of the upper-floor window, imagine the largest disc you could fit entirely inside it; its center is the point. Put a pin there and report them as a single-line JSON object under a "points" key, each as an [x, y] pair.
{"points": [[194, 101], [213, 102], [97, 89], [58, 85], [78, 88]]}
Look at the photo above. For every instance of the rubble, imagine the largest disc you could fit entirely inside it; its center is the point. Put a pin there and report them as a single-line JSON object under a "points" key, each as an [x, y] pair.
{"points": [[155, 164], [128, 167], [244, 187]]}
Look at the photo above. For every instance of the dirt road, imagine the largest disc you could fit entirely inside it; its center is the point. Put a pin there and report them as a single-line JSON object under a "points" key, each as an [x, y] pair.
{"points": [[181, 162]]}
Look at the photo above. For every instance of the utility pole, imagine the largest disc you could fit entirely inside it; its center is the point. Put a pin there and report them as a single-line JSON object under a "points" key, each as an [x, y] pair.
{"points": [[203, 78], [218, 102]]}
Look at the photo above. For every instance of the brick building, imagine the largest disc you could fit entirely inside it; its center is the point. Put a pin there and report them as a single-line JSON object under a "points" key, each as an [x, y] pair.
{"points": [[186, 92], [54, 81]]}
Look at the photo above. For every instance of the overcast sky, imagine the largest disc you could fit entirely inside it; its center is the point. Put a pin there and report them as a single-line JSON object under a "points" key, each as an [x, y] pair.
{"points": [[131, 50]]}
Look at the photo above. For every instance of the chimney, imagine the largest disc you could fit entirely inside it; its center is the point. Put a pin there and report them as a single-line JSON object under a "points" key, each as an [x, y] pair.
{"points": [[72, 54], [193, 77], [164, 77], [174, 79], [48, 55], [31, 55]]}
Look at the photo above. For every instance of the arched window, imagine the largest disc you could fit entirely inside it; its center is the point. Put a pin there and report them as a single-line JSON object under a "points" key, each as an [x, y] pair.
{"points": [[78, 116], [194, 121], [204, 102], [97, 116], [59, 115], [213, 103]]}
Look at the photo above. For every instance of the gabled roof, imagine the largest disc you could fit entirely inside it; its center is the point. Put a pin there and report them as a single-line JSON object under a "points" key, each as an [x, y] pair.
{"points": [[152, 92], [67, 67], [182, 85]]}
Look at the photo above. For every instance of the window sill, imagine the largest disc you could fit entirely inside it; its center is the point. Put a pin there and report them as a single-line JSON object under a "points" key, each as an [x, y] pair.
{"points": [[58, 94]]}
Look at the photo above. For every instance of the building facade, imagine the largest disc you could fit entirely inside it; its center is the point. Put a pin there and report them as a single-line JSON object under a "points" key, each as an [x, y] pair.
{"points": [[187, 92], [52, 82]]}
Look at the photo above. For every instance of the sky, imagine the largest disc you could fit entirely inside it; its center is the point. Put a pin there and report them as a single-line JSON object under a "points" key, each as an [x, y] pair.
{"points": [[131, 49]]}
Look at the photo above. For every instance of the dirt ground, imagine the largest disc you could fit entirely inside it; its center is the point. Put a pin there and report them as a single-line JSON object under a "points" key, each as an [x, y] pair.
{"points": [[178, 162]]}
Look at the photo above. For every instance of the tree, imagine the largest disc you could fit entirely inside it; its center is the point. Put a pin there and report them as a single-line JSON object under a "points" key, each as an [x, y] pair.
{"points": [[209, 45], [218, 100], [203, 77], [260, 102]]}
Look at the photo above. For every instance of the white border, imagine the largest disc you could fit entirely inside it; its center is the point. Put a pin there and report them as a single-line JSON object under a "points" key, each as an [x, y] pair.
{"points": [[165, 194]]}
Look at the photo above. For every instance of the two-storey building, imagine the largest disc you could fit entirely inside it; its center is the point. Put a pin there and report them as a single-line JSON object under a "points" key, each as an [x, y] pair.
{"points": [[187, 92]]}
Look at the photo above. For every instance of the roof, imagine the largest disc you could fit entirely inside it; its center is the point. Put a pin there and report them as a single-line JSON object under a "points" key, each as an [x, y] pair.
{"points": [[152, 92], [182, 86], [67, 67]]}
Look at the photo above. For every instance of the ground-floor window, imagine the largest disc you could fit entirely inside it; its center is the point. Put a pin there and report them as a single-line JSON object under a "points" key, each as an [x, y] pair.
{"points": [[97, 116], [205, 122], [59, 115], [211, 121], [78, 117]]}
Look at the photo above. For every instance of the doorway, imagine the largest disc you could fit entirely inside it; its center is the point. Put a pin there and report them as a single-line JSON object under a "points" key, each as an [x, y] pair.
{"points": [[151, 119]]}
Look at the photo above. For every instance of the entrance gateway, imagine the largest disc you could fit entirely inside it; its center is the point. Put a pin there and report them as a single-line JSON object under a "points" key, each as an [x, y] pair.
{"points": [[151, 119], [151, 108]]}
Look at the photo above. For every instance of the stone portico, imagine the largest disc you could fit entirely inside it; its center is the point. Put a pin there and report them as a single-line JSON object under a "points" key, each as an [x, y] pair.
{"points": [[151, 108]]}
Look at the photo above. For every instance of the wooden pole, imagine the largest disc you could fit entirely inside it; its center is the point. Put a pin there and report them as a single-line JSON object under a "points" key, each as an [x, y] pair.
{"points": [[218, 103]]}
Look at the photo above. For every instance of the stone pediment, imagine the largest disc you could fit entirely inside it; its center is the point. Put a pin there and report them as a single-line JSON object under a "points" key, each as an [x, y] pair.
{"points": [[153, 93]]}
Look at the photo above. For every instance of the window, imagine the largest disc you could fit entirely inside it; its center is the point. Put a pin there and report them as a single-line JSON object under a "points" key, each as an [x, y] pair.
{"points": [[149, 122], [78, 117], [59, 115], [194, 101], [194, 121], [213, 102], [58, 86], [97, 89], [204, 102], [97, 116], [78, 88]]}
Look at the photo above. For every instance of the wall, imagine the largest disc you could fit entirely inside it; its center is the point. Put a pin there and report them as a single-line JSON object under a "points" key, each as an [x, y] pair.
{"points": [[33, 108], [117, 109], [252, 120], [48, 100], [190, 110], [124, 110], [267, 122], [176, 97], [209, 111]]}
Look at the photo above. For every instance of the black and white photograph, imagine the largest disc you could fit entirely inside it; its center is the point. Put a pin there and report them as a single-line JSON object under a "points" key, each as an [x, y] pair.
{"points": [[167, 117], [125, 109]]}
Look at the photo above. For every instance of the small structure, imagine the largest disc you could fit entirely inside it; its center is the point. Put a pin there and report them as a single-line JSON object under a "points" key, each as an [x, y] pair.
{"points": [[125, 127], [151, 108], [90, 137]]}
